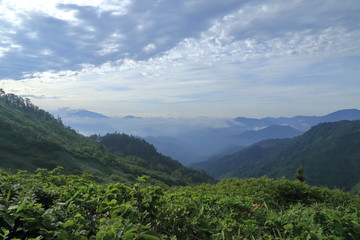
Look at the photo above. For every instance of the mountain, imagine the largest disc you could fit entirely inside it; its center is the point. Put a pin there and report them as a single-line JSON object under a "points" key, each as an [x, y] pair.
{"points": [[175, 148], [85, 122], [301, 123], [347, 114], [131, 117], [328, 152], [194, 140], [253, 122], [246, 139], [32, 138], [274, 131], [86, 114], [145, 155], [249, 155]]}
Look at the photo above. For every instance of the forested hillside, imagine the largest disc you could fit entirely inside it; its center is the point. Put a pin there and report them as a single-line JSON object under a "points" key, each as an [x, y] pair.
{"points": [[145, 155], [32, 138], [254, 154], [328, 152]]}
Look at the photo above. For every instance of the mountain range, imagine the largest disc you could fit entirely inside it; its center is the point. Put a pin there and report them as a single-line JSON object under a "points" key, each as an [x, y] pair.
{"points": [[329, 153], [202, 144], [195, 140], [302, 123], [31, 138]]}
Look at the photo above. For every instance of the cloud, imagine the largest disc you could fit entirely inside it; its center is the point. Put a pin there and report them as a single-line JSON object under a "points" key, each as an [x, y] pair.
{"points": [[15, 11], [195, 54], [152, 126], [95, 32]]}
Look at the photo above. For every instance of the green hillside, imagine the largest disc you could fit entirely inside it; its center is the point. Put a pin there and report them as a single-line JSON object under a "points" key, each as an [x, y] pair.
{"points": [[253, 154], [145, 155], [32, 138], [328, 152]]}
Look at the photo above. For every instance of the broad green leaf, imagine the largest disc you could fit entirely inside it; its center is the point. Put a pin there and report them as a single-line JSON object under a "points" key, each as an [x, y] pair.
{"points": [[9, 220], [68, 223], [22, 205]]}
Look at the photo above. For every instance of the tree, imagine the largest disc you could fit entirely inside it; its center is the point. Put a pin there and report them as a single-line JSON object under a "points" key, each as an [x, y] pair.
{"points": [[300, 174]]}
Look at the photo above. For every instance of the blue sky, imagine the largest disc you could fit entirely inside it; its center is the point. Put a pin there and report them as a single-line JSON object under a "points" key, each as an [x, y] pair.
{"points": [[183, 58]]}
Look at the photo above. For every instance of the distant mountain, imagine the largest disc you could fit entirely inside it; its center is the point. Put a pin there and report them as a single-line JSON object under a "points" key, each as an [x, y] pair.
{"points": [[274, 131], [131, 117], [175, 148], [226, 151], [86, 114], [253, 122], [179, 139], [347, 114], [85, 122], [254, 154], [32, 138], [195, 146], [302, 123], [250, 137], [328, 152]]}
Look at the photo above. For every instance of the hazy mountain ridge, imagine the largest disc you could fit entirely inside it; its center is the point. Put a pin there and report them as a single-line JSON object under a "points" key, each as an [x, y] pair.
{"points": [[249, 155], [32, 138], [304, 123], [329, 153], [194, 140], [273, 131]]}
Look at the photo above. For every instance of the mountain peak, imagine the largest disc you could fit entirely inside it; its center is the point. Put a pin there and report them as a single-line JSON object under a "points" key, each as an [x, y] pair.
{"points": [[348, 114], [86, 114], [131, 117]]}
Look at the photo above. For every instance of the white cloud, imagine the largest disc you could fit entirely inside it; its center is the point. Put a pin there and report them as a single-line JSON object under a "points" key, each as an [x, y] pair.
{"points": [[14, 11], [149, 48], [47, 52], [263, 52], [112, 44]]}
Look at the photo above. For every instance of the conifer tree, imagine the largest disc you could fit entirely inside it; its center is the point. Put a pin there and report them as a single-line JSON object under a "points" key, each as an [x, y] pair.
{"points": [[300, 174]]}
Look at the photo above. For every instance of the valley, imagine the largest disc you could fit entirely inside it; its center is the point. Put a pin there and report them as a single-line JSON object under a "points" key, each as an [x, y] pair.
{"points": [[59, 184]]}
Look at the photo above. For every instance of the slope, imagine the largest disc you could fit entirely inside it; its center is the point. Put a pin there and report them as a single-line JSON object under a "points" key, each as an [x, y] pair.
{"points": [[32, 138], [254, 154], [144, 154], [271, 132], [328, 152]]}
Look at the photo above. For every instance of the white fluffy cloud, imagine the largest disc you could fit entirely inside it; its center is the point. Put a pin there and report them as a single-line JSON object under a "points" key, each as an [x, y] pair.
{"points": [[16, 11], [146, 58]]}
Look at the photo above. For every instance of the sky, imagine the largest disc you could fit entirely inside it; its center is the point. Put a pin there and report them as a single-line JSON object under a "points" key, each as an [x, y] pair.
{"points": [[183, 58]]}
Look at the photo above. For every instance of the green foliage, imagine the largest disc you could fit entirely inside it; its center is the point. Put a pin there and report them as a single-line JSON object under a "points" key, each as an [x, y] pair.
{"points": [[138, 151], [32, 138], [49, 205]]}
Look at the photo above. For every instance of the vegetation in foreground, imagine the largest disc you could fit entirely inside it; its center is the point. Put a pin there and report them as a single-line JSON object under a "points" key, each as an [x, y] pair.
{"points": [[49, 205]]}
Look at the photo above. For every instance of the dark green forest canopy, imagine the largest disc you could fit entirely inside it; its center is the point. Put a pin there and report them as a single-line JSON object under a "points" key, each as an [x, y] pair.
{"points": [[32, 138]]}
